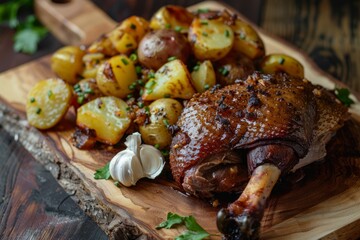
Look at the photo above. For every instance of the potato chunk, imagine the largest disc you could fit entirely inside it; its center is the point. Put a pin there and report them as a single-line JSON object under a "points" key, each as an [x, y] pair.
{"points": [[171, 80], [203, 76], [67, 63], [247, 41], [116, 76], [210, 39], [172, 17], [47, 103], [107, 116], [282, 63], [163, 112]]}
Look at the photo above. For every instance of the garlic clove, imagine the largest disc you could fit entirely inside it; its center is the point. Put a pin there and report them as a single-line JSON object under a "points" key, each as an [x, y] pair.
{"points": [[152, 161], [126, 168], [133, 142]]}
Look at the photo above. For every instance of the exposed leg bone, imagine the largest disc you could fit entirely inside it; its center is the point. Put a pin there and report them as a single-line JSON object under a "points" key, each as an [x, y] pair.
{"points": [[241, 220]]}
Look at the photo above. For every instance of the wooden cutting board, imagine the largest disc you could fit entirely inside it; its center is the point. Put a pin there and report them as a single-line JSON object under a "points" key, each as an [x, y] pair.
{"points": [[324, 204]]}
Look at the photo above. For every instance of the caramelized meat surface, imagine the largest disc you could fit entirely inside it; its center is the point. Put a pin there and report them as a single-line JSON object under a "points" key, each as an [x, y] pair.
{"points": [[262, 110]]}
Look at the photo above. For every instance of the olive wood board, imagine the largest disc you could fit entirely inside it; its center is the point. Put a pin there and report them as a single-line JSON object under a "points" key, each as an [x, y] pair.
{"points": [[324, 204]]}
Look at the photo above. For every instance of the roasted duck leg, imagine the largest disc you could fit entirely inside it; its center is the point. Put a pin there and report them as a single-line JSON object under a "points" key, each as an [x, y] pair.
{"points": [[271, 123]]}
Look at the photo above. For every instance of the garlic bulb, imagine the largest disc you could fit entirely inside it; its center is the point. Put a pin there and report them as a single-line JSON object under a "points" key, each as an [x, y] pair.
{"points": [[135, 162]]}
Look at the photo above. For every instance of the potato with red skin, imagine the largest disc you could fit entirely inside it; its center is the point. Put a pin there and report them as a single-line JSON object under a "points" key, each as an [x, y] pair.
{"points": [[158, 46]]}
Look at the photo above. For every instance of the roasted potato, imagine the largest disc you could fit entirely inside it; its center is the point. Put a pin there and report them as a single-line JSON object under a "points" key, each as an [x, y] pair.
{"points": [[103, 45], [85, 91], [172, 17], [92, 62], [163, 112], [47, 103], [171, 80], [107, 116], [233, 67], [282, 63], [203, 76], [136, 26], [158, 46], [122, 41], [67, 63], [247, 41], [210, 39], [116, 76]]}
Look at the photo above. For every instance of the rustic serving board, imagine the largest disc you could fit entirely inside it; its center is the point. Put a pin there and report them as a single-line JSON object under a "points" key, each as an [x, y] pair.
{"points": [[324, 204]]}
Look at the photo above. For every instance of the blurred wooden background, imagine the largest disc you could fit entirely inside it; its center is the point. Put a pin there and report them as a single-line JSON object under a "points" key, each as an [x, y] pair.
{"points": [[327, 30]]}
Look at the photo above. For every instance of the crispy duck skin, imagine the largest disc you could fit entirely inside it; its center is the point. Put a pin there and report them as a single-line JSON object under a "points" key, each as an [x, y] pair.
{"points": [[270, 121]]}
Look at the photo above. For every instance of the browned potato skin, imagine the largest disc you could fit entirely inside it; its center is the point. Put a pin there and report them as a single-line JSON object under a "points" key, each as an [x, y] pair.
{"points": [[171, 17], [158, 46], [238, 66]]}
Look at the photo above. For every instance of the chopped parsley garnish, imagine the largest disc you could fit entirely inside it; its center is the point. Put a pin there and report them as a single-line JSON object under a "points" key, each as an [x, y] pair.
{"points": [[138, 69], [103, 173], [227, 33], [281, 61], [203, 10], [343, 94], [196, 67], [38, 110], [124, 61], [171, 58], [223, 71], [133, 57], [178, 29]]}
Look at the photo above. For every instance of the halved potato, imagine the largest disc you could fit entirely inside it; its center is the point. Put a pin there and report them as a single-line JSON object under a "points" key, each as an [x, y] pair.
{"points": [[171, 80], [163, 112], [172, 17], [116, 76], [47, 103], [247, 41], [67, 63], [203, 76], [210, 39], [282, 63], [107, 116]]}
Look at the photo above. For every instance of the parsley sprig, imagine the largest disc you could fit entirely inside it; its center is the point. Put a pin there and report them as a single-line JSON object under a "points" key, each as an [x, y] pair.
{"points": [[29, 31], [103, 173], [194, 230], [343, 94]]}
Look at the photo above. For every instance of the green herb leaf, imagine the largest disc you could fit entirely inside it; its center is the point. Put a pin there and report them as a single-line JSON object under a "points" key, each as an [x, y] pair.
{"points": [[343, 94], [103, 173], [190, 235], [194, 232], [192, 225], [171, 220], [28, 36], [29, 31]]}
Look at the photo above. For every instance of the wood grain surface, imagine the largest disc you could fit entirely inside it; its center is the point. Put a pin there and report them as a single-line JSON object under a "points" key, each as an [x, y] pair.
{"points": [[27, 209], [298, 212]]}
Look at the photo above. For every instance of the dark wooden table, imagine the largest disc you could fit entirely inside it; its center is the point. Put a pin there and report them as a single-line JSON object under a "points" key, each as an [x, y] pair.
{"points": [[32, 203]]}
